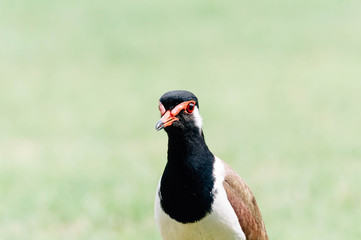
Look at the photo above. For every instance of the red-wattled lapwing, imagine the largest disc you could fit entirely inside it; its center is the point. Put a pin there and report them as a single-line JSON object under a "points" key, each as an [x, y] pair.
{"points": [[199, 197]]}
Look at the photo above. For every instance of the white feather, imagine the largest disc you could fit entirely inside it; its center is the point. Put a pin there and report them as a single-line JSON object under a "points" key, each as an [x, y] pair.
{"points": [[198, 121]]}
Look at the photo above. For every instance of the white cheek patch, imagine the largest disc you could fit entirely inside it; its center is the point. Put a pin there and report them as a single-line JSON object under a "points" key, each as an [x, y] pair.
{"points": [[198, 121]]}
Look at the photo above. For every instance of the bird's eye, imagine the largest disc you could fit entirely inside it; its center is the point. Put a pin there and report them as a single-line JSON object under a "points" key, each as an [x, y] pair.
{"points": [[190, 107]]}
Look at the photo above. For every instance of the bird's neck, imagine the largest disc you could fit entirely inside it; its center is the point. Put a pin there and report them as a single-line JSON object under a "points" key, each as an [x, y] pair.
{"points": [[187, 181], [188, 148]]}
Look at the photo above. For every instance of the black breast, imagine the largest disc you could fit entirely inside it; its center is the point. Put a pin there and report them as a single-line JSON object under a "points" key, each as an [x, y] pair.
{"points": [[187, 183]]}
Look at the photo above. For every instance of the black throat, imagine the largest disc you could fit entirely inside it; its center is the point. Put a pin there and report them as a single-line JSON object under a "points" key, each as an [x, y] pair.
{"points": [[187, 182]]}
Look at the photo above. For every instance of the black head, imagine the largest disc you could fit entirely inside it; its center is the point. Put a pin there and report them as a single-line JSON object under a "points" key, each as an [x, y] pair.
{"points": [[179, 111], [173, 98]]}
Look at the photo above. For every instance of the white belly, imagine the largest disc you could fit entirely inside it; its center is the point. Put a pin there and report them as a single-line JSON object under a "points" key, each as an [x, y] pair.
{"points": [[220, 224]]}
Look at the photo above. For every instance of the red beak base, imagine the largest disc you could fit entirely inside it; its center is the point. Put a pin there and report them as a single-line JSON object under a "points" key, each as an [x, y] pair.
{"points": [[166, 120]]}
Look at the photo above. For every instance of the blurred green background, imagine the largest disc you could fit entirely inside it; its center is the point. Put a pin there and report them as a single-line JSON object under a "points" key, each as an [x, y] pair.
{"points": [[279, 84]]}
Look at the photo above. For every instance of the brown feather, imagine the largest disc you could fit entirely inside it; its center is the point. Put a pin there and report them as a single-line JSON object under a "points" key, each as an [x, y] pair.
{"points": [[244, 205]]}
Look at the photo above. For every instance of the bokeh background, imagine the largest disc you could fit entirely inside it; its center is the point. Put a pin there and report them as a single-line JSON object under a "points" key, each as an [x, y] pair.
{"points": [[279, 84]]}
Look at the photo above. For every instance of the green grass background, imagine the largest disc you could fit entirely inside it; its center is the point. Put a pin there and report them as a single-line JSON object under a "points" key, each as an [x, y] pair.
{"points": [[279, 84]]}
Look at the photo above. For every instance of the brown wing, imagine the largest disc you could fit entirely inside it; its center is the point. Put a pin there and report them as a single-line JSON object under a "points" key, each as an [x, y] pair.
{"points": [[245, 205]]}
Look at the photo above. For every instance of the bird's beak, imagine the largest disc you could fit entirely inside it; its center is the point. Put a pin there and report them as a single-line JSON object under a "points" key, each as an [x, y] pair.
{"points": [[166, 120]]}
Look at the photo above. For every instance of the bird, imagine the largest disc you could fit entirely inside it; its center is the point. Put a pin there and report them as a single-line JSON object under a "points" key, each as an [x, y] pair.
{"points": [[199, 197]]}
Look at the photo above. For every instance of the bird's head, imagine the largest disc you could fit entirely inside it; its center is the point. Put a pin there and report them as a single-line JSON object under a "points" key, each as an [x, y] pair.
{"points": [[179, 111]]}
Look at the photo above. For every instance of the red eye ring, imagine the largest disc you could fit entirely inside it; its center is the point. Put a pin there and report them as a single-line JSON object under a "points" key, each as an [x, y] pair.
{"points": [[190, 107]]}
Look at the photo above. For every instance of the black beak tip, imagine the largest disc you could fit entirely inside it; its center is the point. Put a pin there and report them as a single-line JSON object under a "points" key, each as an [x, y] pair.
{"points": [[159, 125]]}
